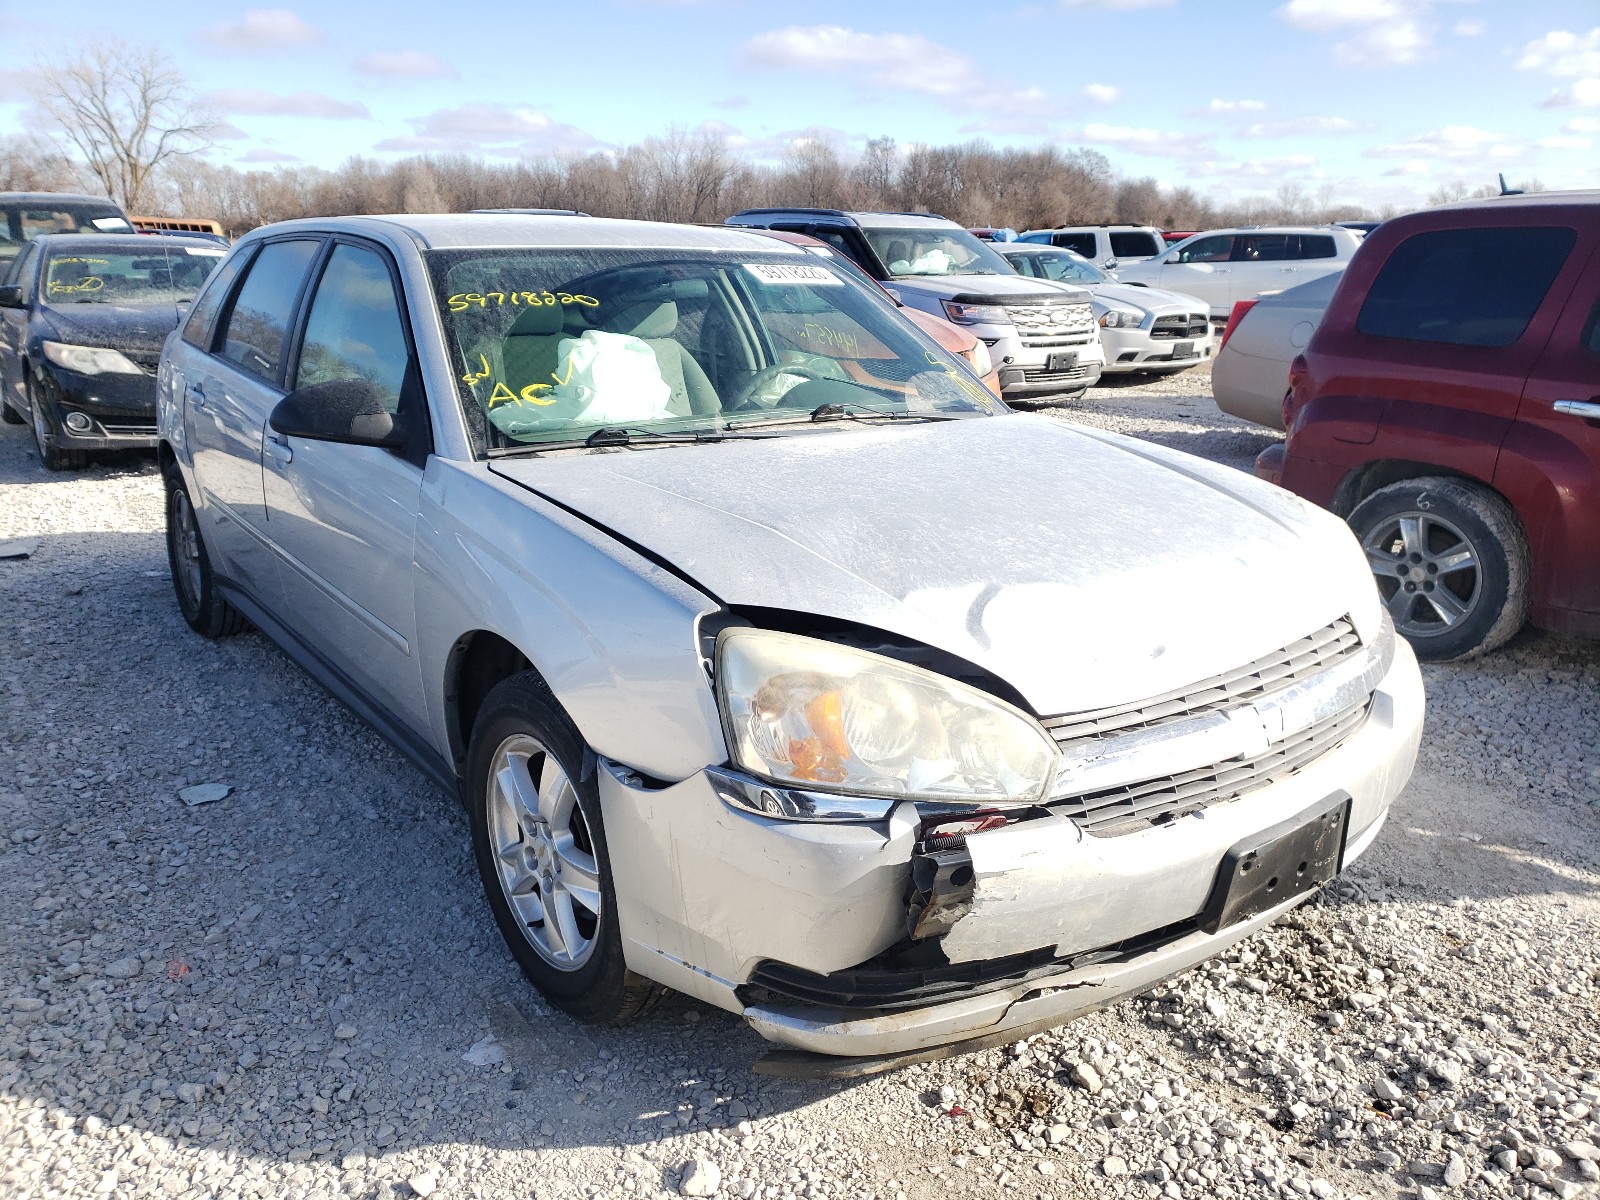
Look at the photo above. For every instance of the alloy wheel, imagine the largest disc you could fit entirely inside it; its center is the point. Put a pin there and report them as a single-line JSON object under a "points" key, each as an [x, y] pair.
{"points": [[1427, 570], [185, 535], [544, 854]]}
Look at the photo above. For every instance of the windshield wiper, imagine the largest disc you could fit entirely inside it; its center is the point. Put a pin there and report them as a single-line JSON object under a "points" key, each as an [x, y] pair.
{"points": [[840, 410], [619, 435]]}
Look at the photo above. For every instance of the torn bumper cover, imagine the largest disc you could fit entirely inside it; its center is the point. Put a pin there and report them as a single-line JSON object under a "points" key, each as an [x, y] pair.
{"points": [[803, 927]]}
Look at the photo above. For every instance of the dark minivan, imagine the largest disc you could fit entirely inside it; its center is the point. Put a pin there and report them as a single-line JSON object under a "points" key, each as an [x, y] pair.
{"points": [[1449, 407]]}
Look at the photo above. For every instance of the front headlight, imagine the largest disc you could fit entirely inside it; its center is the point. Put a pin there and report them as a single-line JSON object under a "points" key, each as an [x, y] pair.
{"points": [[976, 314], [90, 360], [978, 356], [1120, 318], [801, 711]]}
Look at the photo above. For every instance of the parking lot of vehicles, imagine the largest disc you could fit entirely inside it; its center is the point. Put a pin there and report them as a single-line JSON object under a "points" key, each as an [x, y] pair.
{"points": [[430, 456], [1227, 265], [1447, 405], [28, 215], [1250, 378], [82, 320], [1107, 246], [1045, 344], [1141, 329]]}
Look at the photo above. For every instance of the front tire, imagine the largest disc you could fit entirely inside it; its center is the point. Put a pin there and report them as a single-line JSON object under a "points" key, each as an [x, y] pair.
{"points": [[54, 457], [1451, 562], [202, 604], [541, 854]]}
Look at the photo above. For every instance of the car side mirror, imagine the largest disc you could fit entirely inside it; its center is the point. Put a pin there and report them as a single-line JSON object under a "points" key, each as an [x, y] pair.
{"points": [[11, 296], [348, 411], [1110, 264]]}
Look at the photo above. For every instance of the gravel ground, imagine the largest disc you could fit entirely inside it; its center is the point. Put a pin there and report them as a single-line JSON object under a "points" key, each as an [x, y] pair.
{"points": [[296, 990]]}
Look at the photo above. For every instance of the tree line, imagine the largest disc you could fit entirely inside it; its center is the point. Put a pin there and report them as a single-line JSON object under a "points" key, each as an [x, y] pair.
{"points": [[119, 117]]}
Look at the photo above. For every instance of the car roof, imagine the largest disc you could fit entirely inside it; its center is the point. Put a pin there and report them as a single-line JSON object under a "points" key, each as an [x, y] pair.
{"points": [[101, 241], [448, 231], [1074, 228], [42, 197], [1577, 198], [1276, 229]]}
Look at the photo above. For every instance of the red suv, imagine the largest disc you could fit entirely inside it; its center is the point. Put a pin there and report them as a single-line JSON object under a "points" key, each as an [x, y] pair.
{"points": [[1447, 407]]}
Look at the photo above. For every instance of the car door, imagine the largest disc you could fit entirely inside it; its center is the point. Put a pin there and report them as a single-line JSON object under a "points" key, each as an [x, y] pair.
{"points": [[343, 518], [229, 392], [1561, 399], [14, 328], [1262, 262], [1202, 268]]}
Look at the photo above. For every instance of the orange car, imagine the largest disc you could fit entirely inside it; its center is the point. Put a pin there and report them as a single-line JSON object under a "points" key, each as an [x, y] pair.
{"points": [[950, 337]]}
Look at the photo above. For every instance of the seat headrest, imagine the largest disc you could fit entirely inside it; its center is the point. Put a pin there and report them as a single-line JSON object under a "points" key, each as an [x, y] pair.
{"points": [[647, 320], [544, 319]]}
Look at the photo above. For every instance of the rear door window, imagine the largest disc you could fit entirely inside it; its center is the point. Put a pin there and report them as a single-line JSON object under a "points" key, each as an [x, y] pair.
{"points": [[1083, 243], [258, 326], [1317, 245], [1265, 247], [1135, 244], [1465, 287]]}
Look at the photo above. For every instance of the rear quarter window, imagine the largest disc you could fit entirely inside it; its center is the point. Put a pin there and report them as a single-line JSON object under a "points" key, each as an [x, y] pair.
{"points": [[1465, 287], [1317, 245]]}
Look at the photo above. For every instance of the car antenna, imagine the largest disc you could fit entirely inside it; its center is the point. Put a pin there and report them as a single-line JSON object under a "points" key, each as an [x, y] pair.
{"points": [[1508, 191]]}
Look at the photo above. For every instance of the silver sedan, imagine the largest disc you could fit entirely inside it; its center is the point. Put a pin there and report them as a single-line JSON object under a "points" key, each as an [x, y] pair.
{"points": [[1142, 329], [773, 658]]}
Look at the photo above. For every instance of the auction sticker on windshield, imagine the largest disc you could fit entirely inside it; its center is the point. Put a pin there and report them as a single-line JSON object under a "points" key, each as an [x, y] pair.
{"points": [[782, 275]]}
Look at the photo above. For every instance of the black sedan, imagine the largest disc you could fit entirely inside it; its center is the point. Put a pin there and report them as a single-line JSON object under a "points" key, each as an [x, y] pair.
{"points": [[82, 320]]}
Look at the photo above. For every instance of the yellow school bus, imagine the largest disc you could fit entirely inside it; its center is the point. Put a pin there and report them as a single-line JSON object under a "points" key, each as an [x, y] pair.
{"points": [[181, 224]]}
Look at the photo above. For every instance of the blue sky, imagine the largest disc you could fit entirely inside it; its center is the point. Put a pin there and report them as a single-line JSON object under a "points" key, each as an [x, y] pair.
{"points": [[1375, 101]]}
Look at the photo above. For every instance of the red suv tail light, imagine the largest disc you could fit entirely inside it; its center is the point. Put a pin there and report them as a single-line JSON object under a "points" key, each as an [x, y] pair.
{"points": [[1240, 307], [1299, 369]]}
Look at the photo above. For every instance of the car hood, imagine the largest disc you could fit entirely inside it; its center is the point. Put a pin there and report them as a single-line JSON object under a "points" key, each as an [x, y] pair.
{"points": [[1083, 568], [1149, 299], [1010, 288], [116, 326]]}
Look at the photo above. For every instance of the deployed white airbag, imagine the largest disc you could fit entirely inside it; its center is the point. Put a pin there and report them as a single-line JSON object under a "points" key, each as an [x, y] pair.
{"points": [[603, 378]]}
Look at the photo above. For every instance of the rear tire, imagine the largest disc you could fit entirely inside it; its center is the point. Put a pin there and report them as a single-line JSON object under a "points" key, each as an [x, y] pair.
{"points": [[1451, 562], [542, 856], [54, 457], [202, 604]]}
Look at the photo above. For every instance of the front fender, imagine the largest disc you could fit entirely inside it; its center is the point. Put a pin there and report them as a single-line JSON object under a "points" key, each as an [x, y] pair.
{"points": [[613, 635]]}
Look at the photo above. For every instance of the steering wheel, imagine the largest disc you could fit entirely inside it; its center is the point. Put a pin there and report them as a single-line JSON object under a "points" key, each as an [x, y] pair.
{"points": [[743, 403]]}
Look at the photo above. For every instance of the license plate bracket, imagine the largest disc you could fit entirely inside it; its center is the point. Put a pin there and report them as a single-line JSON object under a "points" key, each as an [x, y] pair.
{"points": [[1185, 350], [1288, 860], [1062, 360]]}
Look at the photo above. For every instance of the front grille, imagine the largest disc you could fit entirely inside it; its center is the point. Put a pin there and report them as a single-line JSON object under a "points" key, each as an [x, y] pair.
{"points": [[1181, 325], [1078, 374], [125, 429], [1046, 325], [1299, 660], [1137, 805]]}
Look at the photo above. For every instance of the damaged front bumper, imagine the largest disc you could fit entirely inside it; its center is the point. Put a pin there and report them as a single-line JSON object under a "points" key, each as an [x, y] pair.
{"points": [[790, 911]]}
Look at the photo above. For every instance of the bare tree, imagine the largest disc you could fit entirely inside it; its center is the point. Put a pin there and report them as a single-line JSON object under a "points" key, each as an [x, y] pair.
{"points": [[126, 110]]}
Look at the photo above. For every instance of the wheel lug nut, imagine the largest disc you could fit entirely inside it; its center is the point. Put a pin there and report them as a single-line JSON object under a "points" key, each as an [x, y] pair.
{"points": [[1416, 558], [1411, 587], [1402, 570]]}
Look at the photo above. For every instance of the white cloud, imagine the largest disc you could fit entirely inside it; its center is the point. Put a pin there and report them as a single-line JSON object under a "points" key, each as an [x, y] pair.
{"points": [[1561, 52], [1412, 166], [1454, 143], [1382, 33], [261, 103], [905, 62], [407, 64], [1584, 93], [495, 129], [1300, 126], [263, 155], [1102, 93], [1583, 125], [1471, 27], [1141, 140], [1565, 142], [1231, 107], [265, 29]]}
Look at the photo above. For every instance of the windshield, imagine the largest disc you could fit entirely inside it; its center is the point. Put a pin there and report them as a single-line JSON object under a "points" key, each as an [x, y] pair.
{"points": [[20, 224], [1063, 266], [934, 252], [553, 345], [160, 275]]}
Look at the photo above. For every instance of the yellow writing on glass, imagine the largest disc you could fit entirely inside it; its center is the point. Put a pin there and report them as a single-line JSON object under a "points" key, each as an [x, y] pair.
{"points": [[92, 283], [831, 338], [99, 262], [462, 301], [980, 395], [501, 394]]}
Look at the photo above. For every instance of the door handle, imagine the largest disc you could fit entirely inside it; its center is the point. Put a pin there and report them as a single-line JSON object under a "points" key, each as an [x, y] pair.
{"points": [[197, 395], [1589, 410], [278, 446]]}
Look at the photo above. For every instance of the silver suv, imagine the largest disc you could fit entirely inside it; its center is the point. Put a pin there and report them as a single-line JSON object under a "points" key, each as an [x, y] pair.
{"points": [[774, 660], [1044, 342]]}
